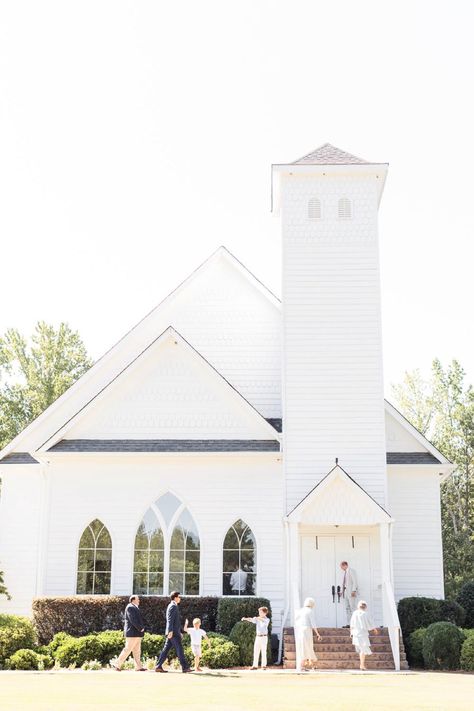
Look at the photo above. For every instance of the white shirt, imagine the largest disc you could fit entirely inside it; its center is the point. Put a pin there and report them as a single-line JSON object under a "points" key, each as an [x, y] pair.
{"points": [[238, 580], [261, 624], [196, 635]]}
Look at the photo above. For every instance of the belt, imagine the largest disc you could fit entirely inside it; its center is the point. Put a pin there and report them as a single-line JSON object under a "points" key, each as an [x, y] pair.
{"points": [[262, 635]]}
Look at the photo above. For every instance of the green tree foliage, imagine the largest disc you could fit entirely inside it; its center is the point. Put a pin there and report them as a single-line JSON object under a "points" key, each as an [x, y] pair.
{"points": [[34, 373], [442, 408], [3, 589]]}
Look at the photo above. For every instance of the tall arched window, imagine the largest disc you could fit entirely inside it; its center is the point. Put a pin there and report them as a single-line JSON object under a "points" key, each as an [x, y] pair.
{"points": [[149, 557], [94, 563], [344, 209], [167, 551], [185, 556], [239, 561], [314, 209]]}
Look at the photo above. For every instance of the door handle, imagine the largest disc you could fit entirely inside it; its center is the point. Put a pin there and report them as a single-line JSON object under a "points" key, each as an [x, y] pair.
{"points": [[339, 593], [333, 591]]}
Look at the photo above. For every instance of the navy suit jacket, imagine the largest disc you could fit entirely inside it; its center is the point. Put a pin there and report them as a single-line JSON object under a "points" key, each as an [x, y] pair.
{"points": [[134, 623], [173, 619]]}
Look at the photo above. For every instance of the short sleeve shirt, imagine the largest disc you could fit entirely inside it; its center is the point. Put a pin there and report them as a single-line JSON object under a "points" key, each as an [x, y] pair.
{"points": [[196, 635], [261, 624]]}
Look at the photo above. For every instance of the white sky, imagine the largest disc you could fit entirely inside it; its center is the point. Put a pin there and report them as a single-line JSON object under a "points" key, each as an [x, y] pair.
{"points": [[136, 137]]}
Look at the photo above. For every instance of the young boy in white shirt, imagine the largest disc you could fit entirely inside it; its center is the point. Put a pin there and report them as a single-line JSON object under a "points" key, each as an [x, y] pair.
{"points": [[196, 635], [261, 636]]}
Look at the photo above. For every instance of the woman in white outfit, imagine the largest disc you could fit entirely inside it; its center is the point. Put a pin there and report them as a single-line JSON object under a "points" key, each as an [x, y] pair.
{"points": [[305, 656], [361, 625]]}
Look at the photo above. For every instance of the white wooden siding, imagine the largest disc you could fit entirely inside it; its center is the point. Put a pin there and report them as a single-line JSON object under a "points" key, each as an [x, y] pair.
{"points": [[414, 503]]}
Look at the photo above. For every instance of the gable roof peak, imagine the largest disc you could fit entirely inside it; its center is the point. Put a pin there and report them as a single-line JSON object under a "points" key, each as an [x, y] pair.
{"points": [[327, 154]]}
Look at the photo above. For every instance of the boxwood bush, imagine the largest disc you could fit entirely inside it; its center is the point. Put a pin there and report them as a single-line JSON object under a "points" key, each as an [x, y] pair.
{"points": [[242, 634], [231, 610], [466, 600], [15, 633], [77, 651], [415, 648], [467, 653], [416, 612], [442, 646], [28, 659], [83, 614]]}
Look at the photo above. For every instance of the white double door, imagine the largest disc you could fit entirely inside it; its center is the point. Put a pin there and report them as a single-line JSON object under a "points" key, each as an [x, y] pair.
{"points": [[322, 577]]}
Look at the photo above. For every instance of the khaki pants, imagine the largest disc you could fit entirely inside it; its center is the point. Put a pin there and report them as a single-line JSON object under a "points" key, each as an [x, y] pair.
{"points": [[351, 605], [133, 645], [260, 647]]}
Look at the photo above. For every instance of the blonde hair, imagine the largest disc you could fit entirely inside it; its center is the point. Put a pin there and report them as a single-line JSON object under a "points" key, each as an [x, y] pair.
{"points": [[362, 604], [196, 619], [309, 602]]}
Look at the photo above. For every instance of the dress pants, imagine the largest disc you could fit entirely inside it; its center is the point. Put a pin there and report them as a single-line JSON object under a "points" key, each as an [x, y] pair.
{"points": [[175, 642], [260, 647], [351, 605], [133, 645]]}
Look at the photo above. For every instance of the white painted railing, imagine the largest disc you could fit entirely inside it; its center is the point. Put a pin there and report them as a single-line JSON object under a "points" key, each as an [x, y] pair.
{"points": [[391, 621]]}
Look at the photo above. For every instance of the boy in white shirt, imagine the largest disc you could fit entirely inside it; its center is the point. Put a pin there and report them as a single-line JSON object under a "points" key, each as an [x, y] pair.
{"points": [[196, 635], [261, 636]]}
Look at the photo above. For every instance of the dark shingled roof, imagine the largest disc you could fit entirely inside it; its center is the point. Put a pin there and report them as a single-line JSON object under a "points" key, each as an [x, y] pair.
{"points": [[275, 422], [166, 445], [18, 458], [411, 458]]}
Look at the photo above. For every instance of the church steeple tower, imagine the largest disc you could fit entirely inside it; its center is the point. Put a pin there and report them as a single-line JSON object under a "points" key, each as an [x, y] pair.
{"points": [[333, 402]]}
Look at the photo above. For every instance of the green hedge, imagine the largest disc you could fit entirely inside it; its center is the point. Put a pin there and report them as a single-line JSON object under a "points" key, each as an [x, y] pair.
{"points": [[442, 646], [467, 652], [15, 633], [414, 648], [230, 610], [242, 635], [416, 612], [28, 659], [466, 600], [82, 615]]}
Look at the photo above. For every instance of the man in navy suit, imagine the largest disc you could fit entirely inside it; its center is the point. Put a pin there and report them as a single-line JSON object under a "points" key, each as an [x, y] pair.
{"points": [[173, 635], [134, 629]]}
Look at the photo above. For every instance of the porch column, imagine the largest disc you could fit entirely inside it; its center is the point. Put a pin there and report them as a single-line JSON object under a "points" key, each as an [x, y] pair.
{"points": [[295, 568], [390, 616]]}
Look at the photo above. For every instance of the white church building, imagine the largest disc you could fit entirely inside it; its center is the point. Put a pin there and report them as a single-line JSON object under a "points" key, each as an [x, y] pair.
{"points": [[232, 443]]}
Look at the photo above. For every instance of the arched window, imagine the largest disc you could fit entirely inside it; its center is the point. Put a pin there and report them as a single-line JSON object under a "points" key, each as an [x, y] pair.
{"points": [[314, 209], [94, 560], [149, 557], [167, 551], [344, 209], [184, 556], [239, 561]]}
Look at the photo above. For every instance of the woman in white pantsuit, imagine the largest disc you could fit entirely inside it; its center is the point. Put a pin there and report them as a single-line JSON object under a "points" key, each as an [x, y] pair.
{"points": [[305, 656], [361, 625]]}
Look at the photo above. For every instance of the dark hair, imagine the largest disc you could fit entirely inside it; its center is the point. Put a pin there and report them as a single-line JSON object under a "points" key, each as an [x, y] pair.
{"points": [[174, 594], [132, 598]]}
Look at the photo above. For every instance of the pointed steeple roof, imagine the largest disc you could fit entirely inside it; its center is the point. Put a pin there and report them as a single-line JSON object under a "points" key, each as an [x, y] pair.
{"points": [[330, 155]]}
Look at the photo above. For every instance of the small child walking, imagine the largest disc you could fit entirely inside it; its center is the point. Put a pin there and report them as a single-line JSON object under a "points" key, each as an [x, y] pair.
{"points": [[261, 636], [196, 635]]}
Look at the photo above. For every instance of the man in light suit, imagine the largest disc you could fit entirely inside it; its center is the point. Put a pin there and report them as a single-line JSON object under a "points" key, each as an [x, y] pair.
{"points": [[134, 629], [349, 590], [173, 635]]}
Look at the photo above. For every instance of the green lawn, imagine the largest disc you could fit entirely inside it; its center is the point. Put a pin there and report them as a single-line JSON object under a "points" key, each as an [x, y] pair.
{"points": [[234, 691]]}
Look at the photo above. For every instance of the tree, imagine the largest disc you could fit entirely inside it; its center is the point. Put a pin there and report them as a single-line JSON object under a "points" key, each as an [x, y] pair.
{"points": [[442, 408], [3, 589], [34, 375]]}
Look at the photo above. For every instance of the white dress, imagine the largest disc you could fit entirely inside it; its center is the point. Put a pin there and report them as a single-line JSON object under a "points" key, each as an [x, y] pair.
{"points": [[304, 636], [360, 626]]}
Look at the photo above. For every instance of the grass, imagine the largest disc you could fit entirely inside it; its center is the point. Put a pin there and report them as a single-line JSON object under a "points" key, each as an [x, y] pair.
{"points": [[234, 691]]}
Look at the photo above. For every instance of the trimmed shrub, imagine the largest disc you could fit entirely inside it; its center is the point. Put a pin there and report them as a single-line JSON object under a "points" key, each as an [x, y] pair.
{"points": [[81, 615], [442, 646], [452, 611], [15, 633], [28, 659], [466, 600], [230, 610], [152, 644], [77, 651], [242, 634], [221, 654], [59, 639], [111, 643], [414, 648], [467, 653]]}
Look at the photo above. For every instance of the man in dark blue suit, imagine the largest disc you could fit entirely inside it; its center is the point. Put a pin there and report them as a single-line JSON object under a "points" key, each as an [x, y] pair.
{"points": [[173, 635]]}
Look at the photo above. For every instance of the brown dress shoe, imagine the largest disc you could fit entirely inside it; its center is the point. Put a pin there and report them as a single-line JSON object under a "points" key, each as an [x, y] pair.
{"points": [[160, 670]]}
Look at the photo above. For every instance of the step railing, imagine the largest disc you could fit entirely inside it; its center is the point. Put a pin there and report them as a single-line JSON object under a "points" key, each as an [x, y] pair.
{"points": [[391, 621]]}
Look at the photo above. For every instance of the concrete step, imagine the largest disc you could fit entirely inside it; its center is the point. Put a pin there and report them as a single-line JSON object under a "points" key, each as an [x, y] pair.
{"points": [[340, 646], [348, 656]]}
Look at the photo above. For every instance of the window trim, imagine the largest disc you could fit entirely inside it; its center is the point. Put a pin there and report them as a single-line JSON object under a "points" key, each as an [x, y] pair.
{"points": [[257, 558], [112, 557]]}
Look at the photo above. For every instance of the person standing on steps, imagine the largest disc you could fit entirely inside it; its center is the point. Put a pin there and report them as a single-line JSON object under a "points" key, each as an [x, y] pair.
{"points": [[304, 626], [173, 635], [349, 590], [361, 625]]}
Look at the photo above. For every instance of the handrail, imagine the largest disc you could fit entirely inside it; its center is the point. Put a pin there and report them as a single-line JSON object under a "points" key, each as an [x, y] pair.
{"points": [[391, 621]]}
